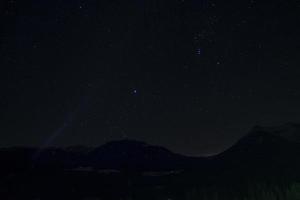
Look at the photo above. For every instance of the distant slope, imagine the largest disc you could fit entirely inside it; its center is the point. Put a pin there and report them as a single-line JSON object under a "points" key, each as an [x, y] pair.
{"points": [[265, 150], [267, 141], [289, 131], [271, 150], [130, 155], [137, 155]]}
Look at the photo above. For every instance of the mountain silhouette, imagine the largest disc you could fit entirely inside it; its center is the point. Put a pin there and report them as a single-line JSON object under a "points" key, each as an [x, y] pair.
{"points": [[267, 141], [265, 151], [136, 155], [288, 131], [265, 157], [262, 150]]}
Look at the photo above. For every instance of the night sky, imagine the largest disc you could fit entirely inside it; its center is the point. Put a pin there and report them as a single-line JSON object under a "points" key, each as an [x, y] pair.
{"points": [[191, 75]]}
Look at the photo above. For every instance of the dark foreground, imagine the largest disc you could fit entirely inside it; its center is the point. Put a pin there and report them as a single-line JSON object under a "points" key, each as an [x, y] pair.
{"points": [[115, 185]]}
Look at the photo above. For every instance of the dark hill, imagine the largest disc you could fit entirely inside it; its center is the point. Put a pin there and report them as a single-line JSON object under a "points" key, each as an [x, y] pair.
{"points": [[263, 152], [137, 155]]}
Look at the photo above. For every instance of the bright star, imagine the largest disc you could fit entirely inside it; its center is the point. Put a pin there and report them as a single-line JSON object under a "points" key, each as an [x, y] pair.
{"points": [[198, 51]]}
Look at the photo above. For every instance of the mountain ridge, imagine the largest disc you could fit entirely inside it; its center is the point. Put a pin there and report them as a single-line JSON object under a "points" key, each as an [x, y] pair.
{"points": [[261, 146]]}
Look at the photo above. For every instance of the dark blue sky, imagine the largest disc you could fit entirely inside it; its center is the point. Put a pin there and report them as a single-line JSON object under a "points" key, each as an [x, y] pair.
{"points": [[190, 75]]}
